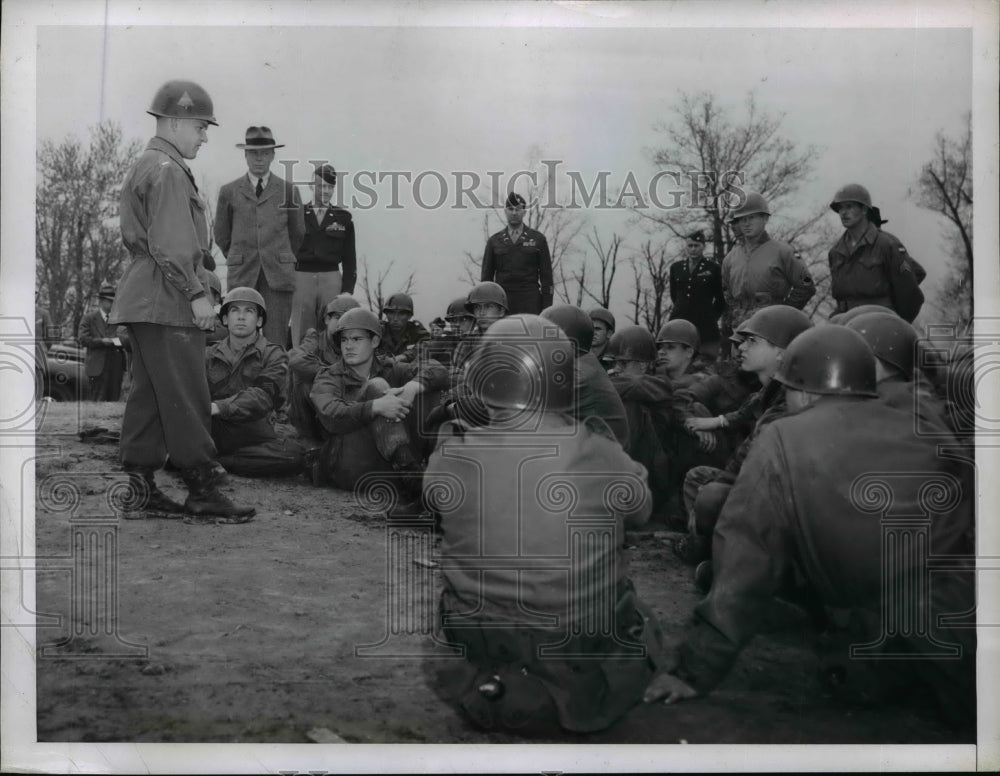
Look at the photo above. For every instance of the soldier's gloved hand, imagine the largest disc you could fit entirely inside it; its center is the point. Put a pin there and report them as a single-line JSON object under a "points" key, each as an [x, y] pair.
{"points": [[202, 313]]}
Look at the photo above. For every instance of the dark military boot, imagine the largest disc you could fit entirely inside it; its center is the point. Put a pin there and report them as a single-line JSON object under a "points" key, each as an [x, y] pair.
{"points": [[206, 503], [145, 500]]}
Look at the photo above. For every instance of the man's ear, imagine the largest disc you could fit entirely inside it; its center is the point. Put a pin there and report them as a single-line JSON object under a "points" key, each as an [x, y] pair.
{"points": [[376, 340]]}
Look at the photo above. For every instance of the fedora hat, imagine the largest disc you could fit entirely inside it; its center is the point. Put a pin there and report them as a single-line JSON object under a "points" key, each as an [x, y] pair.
{"points": [[107, 291], [259, 137]]}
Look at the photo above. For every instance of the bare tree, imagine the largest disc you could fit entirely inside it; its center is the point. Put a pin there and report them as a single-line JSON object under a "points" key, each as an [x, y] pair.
{"points": [[77, 237], [713, 159], [607, 258], [653, 286], [945, 186], [374, 285]]}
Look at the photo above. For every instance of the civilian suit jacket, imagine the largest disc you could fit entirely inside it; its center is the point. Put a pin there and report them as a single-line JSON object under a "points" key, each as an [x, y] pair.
{"points": [[92, 329], [258, 235]]}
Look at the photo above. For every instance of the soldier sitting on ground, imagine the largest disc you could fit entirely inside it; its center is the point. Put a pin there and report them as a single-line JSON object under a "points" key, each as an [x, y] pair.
{"points": [[373, 409], [247, 376], [400, 333], [657, 438], [455, 326], [317, 351], [784, 522], [595, 396], [763, 339], [678, 345], [547, 646]]}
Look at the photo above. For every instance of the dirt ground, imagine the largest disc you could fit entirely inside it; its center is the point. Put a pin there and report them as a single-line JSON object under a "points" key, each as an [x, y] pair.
{"points": [[248, 633]]}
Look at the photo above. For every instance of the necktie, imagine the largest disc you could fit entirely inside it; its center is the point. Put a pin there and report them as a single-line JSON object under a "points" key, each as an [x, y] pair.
{"points": [[260, 187]]}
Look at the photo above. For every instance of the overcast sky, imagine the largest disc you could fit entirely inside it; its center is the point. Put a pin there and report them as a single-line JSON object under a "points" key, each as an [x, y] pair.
{"points": [[449, 99]]}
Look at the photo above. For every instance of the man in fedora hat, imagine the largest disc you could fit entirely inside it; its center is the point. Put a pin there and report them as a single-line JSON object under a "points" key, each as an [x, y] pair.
{"points": [[105, 362], [259, 227]]}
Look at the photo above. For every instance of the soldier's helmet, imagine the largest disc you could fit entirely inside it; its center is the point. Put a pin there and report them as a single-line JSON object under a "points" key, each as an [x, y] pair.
{"points": [[486, 293], [604, 315], [399, 302], [890, 337], [754, 203], [632, 343], [779, 324], [846, 316], [574, 322], [523, 362], [340, 305], [183, 100], [244, 294], [852, 192], [457, 310], [359, 318], [680, 331], [830, 360]]}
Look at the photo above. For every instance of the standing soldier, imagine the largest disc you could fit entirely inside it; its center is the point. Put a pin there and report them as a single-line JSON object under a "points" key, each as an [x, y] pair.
{"points": [[326, 262], [518, 259], [164, 298], [696, 291], [105, 362], [258, 226], [604, 327], [867, 265], [759, 271], [400, 333]]}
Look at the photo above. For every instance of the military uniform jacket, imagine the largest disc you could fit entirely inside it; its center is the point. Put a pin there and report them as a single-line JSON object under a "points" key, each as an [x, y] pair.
{"points": [[877, 271], [164, 228], [796, 501], [697, 295], [248, 385], [765, 273], [316, 352], [328, 245], [596, 397], [336, 390], [93, 328], [515, 513], [522, 266], [259, 235], [413, 334]]}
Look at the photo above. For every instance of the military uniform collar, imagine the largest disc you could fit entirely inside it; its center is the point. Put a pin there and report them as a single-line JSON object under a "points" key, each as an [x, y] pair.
{"points": [[259, 344], [764, 237], [163, 145]]}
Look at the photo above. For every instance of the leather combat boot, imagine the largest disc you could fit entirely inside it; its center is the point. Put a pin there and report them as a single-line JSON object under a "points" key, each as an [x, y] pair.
{"points": [[145, 500], [206, 500]]}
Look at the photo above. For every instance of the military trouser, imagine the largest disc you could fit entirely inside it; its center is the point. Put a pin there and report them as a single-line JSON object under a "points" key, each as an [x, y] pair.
{"points": [[168, 406], [703, 511], [586, 683], [253, 449], [301, 412], [382, 445], [523, 300]]}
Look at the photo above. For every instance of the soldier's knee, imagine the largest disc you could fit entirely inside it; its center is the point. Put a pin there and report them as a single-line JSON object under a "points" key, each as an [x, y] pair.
{"points": [[708, 506], [374, 388]]}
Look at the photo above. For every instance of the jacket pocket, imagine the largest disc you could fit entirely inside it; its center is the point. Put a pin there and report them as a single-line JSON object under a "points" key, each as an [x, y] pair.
{"points": [[234, 259], [286, 258]]}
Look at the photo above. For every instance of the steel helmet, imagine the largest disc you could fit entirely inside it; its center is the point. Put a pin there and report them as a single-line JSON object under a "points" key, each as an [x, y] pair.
{"points": [[399, 302], [359, 318], [854, 312], [523, 362], [779, 324], [604, 315], [244, 294], [340, 305], [486, 293], [852, 192], [183, 100], [214, 283], [830, 360], [754, 203], [679, 330], [633, 343], [457, 310], [891, 339], [574, 322]]}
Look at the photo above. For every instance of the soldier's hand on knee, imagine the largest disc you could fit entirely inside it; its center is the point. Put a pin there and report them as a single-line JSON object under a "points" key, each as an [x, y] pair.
{"points": [[391, 406], [700, 424], [706, 440]]}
